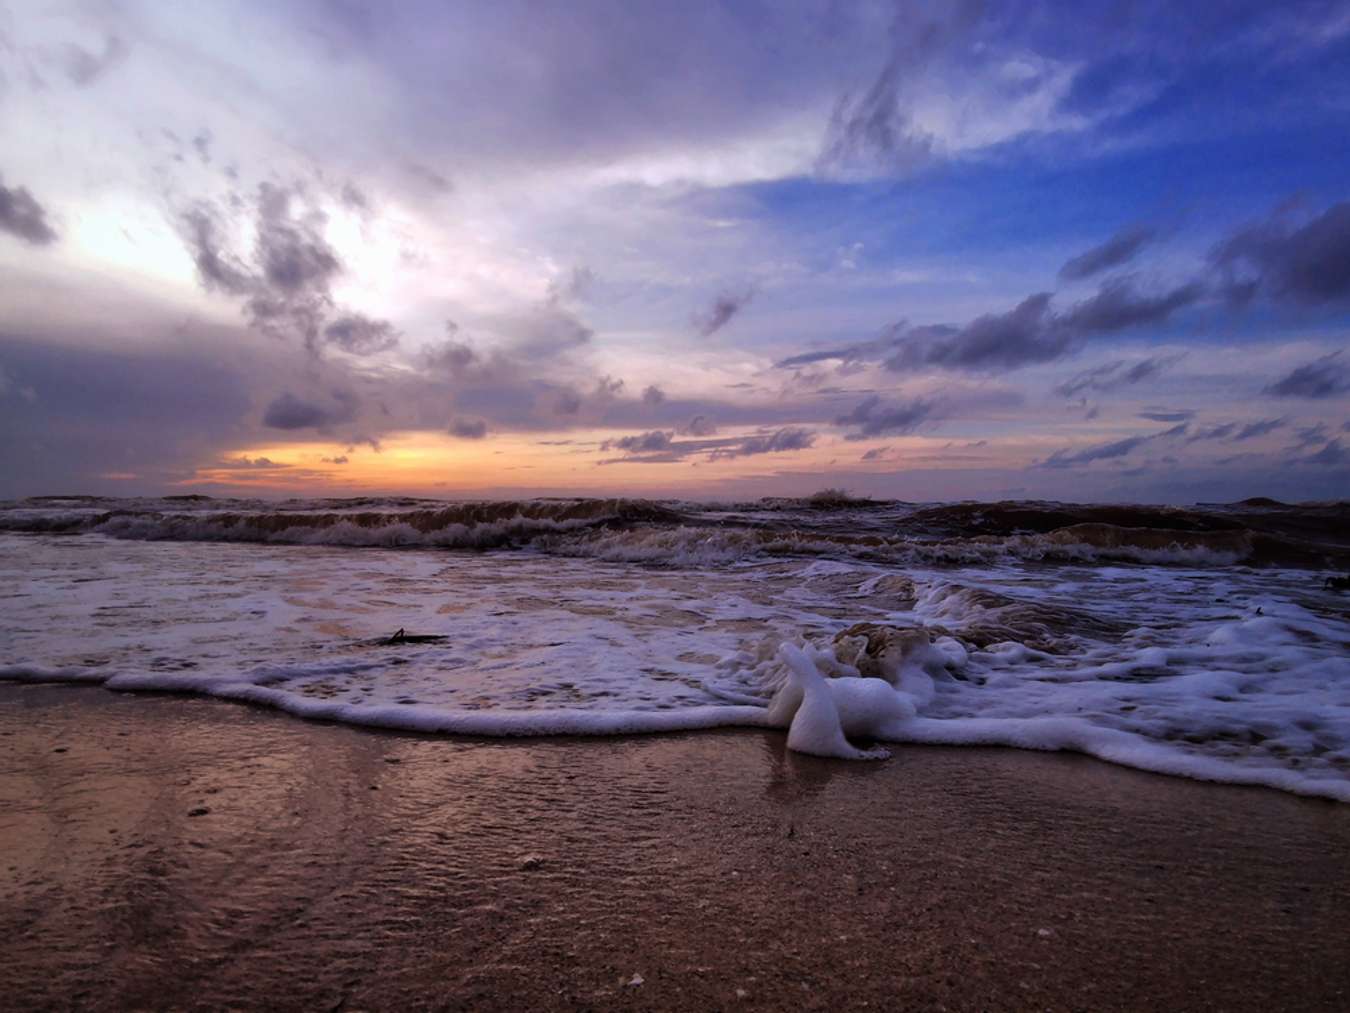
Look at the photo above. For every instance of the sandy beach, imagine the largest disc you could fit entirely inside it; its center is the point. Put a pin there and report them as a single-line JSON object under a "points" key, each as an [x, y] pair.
{"points": [[170, 852]]}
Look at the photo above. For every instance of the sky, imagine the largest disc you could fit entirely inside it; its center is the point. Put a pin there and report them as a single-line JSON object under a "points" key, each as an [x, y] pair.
{"points": [[928, 251]]}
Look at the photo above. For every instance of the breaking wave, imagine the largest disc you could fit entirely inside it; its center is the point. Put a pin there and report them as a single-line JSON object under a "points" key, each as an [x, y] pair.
{"points": [[629, 530]]}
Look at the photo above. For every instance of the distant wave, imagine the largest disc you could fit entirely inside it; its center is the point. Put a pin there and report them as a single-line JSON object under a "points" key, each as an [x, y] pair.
{"points": [[1260, 533]]}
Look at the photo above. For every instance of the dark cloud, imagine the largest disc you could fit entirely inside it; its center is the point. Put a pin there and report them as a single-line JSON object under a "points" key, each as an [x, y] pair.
{"points": [[1254, 429], [250, 464], [869, 351], [1100, 452], [567, 402], [1106, 451], [286, 280], [468, 429], [1116, 374], [1177, 415], [1028, 334], [291, 249], [1308, 264], [1324, 377], [218, 269], [779, 441], [661, 446], [875, 419], [360, 335], [454, 358], [873, 131], [1333, 454], [1024, 335], [876, 453], [1119, 249], [80, 412], [721, 312], [700, 425], [642, 443], [544, 332], [21, 215], [290, 412], [340, 459], [1118, 306], [1220, 432], [1306, 436], [653, 395]]}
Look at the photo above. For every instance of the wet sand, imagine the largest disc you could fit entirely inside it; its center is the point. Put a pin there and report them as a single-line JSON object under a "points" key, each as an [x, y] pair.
{"points": [[165, 852]]}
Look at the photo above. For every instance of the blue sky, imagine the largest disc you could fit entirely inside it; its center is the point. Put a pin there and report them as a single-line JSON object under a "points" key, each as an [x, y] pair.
{"points": [[920, 250]]}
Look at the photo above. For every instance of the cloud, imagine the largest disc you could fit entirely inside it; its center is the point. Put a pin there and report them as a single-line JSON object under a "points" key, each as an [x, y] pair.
{"points": [[1220, 432], [1175, 415], [360, 335], [876, 453], [720, 313], [866, 351], [83, 67], [21, 215], [1117, 306], [1308, 264], [217, 268], [567, 402], [1324, 377], [653, 395], [700, 425], [340, 459], [872, 132], [158, 411], [642, 443], [1024, 335], [1306, 436], [289, 412], [249, 464], [874, 419], [1332, 454], [779, 441], [1117, 374], [1254, 429], [1236, 432], [285, 281], [1119, 249], [572, 286], [1028, 334], [1106, 451], [661, 446], [875, 132], [468, 429]]}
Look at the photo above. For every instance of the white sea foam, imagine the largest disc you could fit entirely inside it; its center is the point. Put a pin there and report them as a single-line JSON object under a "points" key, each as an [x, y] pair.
{"points": [[1227, 675]]}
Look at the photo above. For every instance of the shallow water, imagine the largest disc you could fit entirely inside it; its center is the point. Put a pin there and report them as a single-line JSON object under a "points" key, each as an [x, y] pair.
{"points": [[1220, 672]]}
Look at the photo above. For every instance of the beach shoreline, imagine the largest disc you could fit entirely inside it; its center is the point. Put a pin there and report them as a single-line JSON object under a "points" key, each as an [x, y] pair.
{"points": [[176, 852]]}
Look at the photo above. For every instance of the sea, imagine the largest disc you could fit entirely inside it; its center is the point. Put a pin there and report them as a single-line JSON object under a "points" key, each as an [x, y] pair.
{"points": [[1210, 642]]}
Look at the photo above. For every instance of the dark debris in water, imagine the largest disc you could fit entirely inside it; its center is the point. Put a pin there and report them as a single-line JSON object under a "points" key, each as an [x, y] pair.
{"points": [[403, 637]]}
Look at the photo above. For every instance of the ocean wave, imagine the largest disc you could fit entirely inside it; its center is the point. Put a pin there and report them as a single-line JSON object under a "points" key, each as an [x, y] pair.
{"points": [[681, 533]]}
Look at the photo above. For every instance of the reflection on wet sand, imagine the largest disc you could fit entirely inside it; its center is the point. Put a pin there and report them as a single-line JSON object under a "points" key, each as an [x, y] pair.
{"points": [[182, 853]]}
